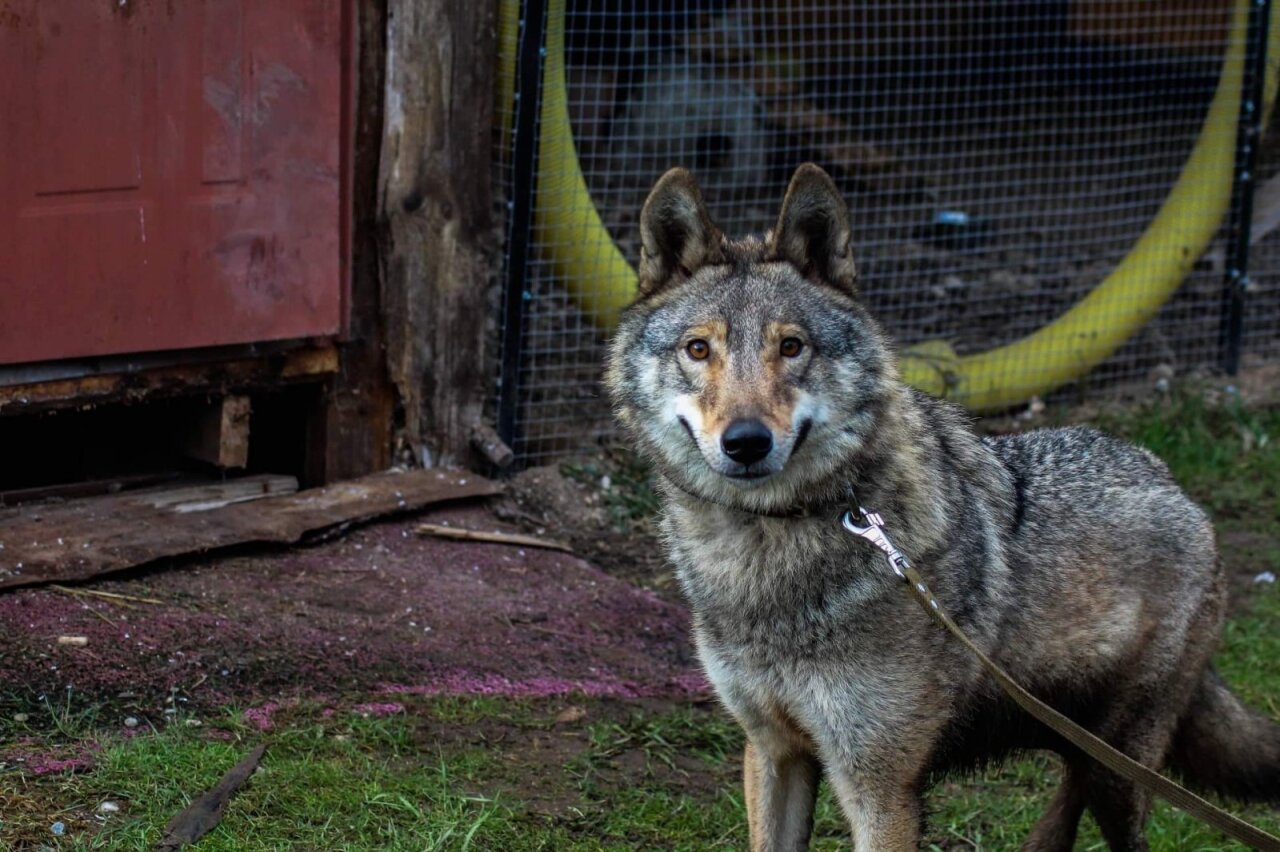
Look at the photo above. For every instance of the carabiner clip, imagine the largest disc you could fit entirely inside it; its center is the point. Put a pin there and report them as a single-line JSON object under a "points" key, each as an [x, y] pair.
{"points": [[872, 529]]}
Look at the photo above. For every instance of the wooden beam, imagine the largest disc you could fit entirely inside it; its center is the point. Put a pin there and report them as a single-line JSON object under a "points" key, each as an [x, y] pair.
{"points": [[349, 433], [218, 433], [268, 371], [438, 241]]}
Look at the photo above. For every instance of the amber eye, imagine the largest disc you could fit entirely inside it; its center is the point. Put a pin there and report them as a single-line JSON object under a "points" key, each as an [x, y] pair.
{"points": [[791, 347], [698, 349]]}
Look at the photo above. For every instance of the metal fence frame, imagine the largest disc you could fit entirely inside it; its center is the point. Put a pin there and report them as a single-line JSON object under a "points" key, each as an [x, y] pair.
{"points": [[521, 165]]}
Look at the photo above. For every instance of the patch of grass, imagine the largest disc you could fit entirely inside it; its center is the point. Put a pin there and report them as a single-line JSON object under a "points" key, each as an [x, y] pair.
{"points": [[468, 710], [686, 730], [644, 777], [624, 478], [1227, 456], [339, 783]]}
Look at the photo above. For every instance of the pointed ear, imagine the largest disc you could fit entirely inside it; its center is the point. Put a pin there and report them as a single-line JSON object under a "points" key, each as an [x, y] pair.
{"points": [[676, 234], [813, 231]]}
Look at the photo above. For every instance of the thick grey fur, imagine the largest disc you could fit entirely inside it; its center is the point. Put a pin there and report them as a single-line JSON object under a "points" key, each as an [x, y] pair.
{"points": [[1070, 557]]}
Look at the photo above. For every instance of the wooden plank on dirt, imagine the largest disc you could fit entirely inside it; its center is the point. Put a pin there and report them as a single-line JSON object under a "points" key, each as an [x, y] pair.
{"points": [[87, 538], [215, 495]]}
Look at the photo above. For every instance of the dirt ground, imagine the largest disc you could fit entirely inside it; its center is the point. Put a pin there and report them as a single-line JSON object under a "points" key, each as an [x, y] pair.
{"points": [[381, 611]]}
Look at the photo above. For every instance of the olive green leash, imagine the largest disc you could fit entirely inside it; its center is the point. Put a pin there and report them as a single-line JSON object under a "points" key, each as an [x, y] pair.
{"points": [[872, 529]]}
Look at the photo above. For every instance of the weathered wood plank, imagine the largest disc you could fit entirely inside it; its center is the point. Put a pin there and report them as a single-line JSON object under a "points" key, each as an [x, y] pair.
{"points": [[85, 538], [218, 433], [214, 495], [438, 240]]}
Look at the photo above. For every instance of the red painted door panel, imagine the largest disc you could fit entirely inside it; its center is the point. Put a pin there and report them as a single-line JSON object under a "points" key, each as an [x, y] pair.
{"points": [[171, 174]]}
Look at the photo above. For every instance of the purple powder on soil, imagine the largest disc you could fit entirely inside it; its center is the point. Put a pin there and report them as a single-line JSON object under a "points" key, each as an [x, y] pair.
{"points": [[45, 763], [467, 683], [260, 717]]}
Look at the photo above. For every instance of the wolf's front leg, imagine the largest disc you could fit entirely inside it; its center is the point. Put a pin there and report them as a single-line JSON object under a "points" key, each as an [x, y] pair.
{"points": [[780, 790], [884, 817]]}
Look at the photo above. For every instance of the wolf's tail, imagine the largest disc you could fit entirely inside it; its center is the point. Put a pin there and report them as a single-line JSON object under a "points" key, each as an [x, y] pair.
{"points": [[1224, 746]]}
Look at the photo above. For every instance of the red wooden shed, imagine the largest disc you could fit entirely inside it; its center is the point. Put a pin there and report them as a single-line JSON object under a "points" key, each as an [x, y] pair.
{"points": [[193, 227]]}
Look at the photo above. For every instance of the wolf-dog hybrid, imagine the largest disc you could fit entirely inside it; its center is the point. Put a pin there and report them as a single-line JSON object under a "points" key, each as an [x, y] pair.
{"points": [[768, 400]]}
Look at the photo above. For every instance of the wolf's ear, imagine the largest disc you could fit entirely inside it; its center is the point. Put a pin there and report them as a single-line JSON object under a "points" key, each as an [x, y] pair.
{"points": [[676, 234], [813, 231]]}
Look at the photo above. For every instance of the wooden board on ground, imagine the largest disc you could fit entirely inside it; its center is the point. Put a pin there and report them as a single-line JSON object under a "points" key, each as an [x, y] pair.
{"points": [[81, 539]]}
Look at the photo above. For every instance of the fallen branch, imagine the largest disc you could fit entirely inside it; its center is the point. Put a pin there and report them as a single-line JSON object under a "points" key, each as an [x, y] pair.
{"points": [[441, 531], [110, 596], [204, 813]]}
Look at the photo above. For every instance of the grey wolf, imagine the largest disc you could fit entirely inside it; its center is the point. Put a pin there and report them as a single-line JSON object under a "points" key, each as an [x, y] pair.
{"points": [[767, 399]]}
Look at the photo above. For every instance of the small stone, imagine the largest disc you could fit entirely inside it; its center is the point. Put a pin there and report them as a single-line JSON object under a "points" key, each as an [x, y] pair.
{"points": [[130, 722], [571, 714], [20, 717]]}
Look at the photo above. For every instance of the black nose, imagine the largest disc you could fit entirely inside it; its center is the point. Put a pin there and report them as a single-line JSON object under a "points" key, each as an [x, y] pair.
{"points": [[747, 441]]}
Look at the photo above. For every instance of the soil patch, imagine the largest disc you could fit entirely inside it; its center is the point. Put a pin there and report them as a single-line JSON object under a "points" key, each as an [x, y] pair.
{"points": [[382, 611]]}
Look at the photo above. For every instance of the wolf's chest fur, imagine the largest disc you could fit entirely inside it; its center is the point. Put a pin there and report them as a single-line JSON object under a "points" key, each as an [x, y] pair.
{"points": [[788, 606], [803, 578]]}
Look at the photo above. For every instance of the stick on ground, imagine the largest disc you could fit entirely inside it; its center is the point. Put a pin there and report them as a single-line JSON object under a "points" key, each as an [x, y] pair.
{"points": [[204, 813], [441, 531], [98, 593]]}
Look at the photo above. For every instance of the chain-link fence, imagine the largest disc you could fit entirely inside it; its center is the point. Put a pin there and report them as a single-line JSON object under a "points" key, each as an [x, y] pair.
{"points": [[1002, 160]]}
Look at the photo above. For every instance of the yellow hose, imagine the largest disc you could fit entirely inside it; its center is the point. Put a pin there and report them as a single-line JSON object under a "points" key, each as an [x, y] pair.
{"points": [[585, 258], [1098, 324]]}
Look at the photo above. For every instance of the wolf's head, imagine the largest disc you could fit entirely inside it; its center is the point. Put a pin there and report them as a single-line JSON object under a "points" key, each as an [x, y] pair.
{"points": [[747, 370]]}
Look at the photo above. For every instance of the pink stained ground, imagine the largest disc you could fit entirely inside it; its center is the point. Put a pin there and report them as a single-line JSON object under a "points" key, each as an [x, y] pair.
{"points": [[378, 613]]}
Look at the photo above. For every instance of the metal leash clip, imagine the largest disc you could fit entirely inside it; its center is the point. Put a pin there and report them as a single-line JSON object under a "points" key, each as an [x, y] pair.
{"points": [[872, 529]]}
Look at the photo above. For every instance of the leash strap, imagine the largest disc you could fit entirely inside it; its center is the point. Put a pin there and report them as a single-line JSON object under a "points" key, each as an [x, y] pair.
{"points": [[872, 529]]}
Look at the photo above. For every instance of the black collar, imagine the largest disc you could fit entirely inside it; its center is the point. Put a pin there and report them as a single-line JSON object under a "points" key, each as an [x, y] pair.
{"points": [[793, 513]]}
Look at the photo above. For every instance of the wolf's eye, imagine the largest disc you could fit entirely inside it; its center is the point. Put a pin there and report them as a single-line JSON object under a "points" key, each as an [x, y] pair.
{"points": [[791, 347], [698, 349]]}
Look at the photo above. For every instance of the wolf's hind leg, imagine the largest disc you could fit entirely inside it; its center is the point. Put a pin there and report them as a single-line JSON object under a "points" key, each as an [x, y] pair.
{"points": [[1121, 810], [780, 794], [1055, 831], [1120, 807]]}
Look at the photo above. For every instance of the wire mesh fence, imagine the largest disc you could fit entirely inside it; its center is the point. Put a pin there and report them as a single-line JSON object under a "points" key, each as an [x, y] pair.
{"points": [[1002, 160]]}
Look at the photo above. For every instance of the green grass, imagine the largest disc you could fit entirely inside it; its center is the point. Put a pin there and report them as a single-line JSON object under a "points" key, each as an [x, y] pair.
{"points": [[629, 495], [348, 784], [1226, 456], [502, 774]]}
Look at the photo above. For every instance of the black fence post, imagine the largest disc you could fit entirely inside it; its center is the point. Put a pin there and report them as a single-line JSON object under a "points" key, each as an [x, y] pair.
{"points": [[1248, 136], [524, 163]]}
